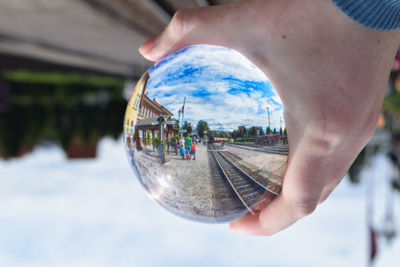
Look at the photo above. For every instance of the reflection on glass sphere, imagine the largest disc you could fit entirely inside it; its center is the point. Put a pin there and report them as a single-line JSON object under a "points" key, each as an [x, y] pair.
{"points": [[205, 135]]}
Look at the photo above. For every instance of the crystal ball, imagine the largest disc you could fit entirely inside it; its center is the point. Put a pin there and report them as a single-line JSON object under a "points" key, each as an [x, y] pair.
{"points": [[205, 136]]}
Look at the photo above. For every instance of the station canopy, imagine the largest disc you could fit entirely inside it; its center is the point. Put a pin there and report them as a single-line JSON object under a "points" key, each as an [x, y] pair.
{"points": [[150, 124]]}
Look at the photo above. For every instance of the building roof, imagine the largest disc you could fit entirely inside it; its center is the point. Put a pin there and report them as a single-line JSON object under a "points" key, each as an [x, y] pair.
{"points": [[156, 106], [153, 124]]}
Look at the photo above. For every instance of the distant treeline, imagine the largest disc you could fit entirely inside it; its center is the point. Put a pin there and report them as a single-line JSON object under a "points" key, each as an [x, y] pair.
{"points": [[242, 132]]}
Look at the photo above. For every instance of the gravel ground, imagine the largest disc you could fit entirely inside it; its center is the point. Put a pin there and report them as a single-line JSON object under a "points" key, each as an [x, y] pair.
{"points": [[182, 186], [260, 161]]}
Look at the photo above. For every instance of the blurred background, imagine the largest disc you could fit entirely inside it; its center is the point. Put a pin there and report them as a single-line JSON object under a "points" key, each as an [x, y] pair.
{"points": [[67, 194]]}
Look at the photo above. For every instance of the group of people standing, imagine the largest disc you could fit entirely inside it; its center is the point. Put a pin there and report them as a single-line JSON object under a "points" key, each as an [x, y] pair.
{"points": [[187, 148]]}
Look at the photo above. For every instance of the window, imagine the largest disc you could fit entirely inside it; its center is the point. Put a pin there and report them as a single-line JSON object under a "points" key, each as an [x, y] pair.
{"points": [[136, 102]]}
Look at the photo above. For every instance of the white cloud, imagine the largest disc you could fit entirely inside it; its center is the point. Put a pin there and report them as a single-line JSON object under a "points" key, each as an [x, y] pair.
{"points": [[227, 91], [224, 61]]}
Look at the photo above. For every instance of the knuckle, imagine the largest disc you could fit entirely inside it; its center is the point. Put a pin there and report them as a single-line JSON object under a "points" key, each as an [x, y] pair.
{"points": [[328, 136], [369, 129], [326, 144], [181, 20], [304, 209]]}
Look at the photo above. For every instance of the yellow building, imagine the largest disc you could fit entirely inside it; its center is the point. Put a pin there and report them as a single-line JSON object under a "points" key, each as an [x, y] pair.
{"points": [[141, 107], [132, 110]]}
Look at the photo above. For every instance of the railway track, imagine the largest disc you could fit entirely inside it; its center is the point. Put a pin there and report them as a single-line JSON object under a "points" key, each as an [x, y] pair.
{"points": [[246, 189], [271, 182], [266, 149], [225, 202]]}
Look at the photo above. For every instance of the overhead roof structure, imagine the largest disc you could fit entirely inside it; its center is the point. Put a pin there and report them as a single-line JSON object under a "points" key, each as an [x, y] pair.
{"points": [[153, 123], [101, 35]]}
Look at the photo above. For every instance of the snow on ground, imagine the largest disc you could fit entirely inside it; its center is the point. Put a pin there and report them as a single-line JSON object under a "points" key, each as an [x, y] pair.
{"points": [[55, 212]]}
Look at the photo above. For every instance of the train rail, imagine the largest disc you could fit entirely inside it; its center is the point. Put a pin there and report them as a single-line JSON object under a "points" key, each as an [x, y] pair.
{"points": [[225, 202], [246, 188], [266, 149], [271, 182]]}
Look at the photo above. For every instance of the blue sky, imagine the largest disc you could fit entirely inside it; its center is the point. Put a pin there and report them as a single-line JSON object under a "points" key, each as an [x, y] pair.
{"points": [[221, 86], [55, 212]]}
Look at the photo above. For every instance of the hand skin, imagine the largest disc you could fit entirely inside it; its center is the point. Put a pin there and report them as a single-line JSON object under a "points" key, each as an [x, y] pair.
{"points": [[330, 72]]}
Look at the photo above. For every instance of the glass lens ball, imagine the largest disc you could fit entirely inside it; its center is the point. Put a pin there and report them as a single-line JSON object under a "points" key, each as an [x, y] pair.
{"points": [[205, 136]]}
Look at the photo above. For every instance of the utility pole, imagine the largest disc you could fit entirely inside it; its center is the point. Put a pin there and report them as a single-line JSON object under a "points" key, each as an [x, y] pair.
{"points": [[179, 118], [183, 108]]}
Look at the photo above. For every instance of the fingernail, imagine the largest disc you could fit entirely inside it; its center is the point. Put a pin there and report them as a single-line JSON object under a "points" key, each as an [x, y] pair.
{"points": [[235, 227], [147, 46]]}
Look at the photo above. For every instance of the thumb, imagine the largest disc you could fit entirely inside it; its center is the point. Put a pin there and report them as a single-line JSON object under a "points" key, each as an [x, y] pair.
{"points": [[188, 27]]}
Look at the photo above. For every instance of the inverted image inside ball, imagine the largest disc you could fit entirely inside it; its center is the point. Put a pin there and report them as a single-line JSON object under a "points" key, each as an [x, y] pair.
{"points": [[205, 136]]}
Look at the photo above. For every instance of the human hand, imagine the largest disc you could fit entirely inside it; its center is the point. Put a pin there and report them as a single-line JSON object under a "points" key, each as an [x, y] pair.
{"points": [[330, 73]]}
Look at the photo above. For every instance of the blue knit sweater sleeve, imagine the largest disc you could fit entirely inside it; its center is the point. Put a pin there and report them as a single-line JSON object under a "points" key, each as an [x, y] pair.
{"points": [[377, 14]]}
